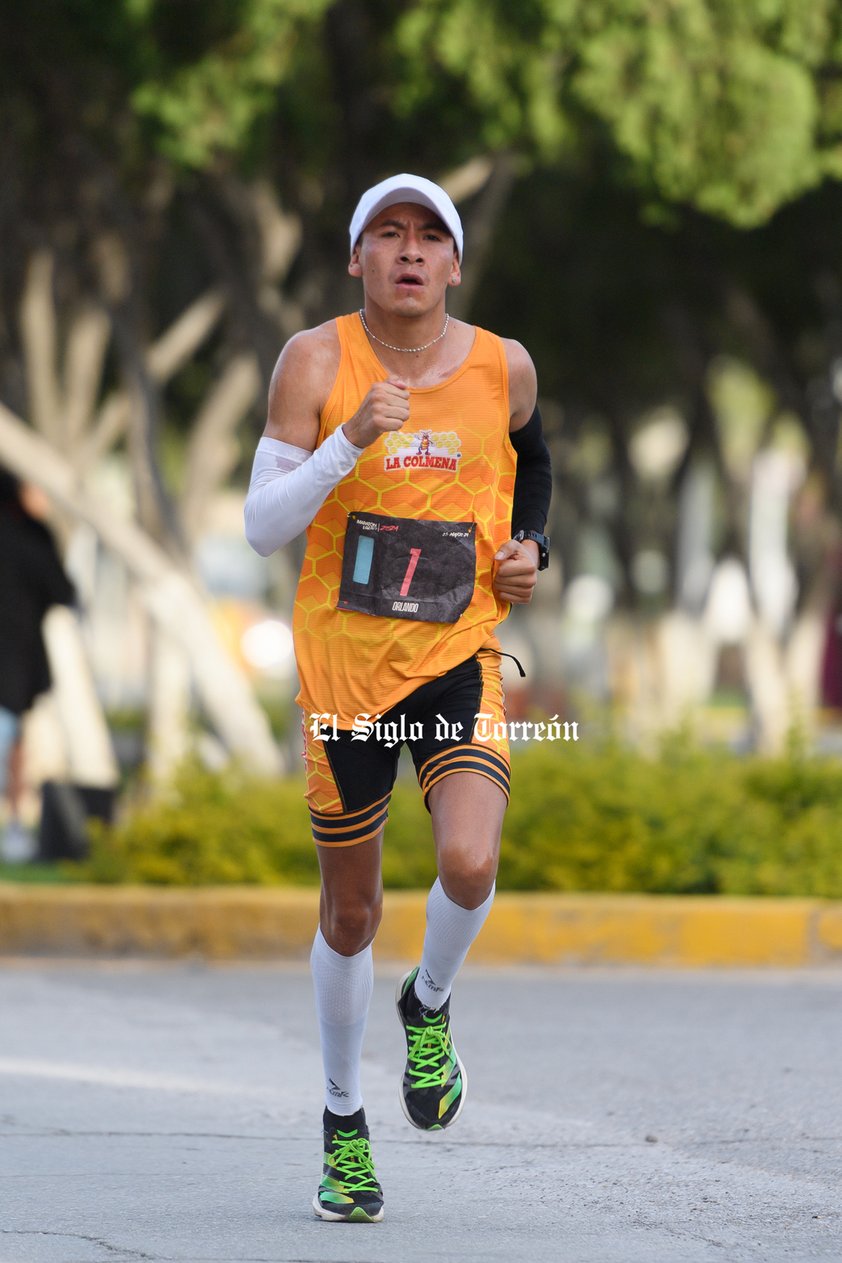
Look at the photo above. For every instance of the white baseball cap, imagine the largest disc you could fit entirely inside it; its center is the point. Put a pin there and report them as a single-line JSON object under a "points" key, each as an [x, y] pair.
{"points": [[407, 188]]}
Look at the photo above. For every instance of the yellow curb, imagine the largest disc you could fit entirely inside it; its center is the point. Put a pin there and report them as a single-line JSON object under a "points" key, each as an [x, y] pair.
{"points": [[219, 923], [242, 923], [649, 930], [829, 929]]}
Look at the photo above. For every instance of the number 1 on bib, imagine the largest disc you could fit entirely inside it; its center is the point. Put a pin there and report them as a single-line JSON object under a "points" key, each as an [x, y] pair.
{"points": [[414, 554]]}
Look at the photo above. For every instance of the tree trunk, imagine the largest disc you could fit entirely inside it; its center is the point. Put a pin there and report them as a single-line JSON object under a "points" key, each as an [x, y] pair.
{"points": [[169, 704], [769, 691], [87, 741], [169, 594]]}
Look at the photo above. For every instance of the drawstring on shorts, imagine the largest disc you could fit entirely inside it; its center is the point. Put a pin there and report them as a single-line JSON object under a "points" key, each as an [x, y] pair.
{"points": [[500, 654]]}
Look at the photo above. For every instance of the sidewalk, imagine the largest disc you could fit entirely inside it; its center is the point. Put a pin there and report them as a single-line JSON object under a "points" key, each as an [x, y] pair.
{"points": [[243, 923]]}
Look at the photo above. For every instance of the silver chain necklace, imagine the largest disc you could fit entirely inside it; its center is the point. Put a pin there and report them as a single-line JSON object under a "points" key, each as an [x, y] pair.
{"points": [[408, 350]]}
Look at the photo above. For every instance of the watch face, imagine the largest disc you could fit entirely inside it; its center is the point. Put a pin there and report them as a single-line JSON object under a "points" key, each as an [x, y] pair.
{"points": [[543, 550]]}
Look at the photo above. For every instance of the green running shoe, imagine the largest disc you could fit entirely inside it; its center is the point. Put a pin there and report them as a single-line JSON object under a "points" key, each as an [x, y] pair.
{"points": [[434, 1082], [349, 1191]]}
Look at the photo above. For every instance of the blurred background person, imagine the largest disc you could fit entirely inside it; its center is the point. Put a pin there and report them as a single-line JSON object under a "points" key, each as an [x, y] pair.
{"points": [[32, 579]]}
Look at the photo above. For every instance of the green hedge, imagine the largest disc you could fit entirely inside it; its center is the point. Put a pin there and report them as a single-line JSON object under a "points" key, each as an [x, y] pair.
{"points": [[581, 818]]}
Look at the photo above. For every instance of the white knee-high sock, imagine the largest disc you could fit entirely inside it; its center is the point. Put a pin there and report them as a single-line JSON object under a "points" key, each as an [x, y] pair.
{"points": [[343, 986], [451, 930]]}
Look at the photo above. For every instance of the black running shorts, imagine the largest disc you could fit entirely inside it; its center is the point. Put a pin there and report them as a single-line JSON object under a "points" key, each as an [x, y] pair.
{"points": [[456, 723]]}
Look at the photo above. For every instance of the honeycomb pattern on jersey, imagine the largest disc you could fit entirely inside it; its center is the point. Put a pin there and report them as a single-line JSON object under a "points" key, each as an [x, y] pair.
{"points": [[351, 663]]}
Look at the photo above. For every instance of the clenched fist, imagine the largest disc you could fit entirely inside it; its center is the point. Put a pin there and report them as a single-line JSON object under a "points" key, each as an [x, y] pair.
{"points": [[515, 571], [385, 407]]}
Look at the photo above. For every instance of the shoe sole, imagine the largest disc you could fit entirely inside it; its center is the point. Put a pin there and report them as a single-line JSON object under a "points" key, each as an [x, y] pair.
{"points": [[357, 1215], [462, 1071]]}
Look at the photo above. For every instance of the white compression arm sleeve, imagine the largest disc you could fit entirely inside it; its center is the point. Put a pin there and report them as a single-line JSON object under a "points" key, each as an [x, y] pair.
{"points": [[289, 485]]}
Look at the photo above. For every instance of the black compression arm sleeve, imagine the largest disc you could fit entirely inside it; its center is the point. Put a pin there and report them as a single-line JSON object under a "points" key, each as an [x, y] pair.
{"points": [[534, 477]]}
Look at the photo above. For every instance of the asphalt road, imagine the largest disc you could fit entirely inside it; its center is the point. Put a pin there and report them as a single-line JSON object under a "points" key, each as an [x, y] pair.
{"points": [[160, 1112]]}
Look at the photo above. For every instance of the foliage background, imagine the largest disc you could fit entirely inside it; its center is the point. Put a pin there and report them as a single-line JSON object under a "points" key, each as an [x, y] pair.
{"points": [[651, 193], [581, 819]]}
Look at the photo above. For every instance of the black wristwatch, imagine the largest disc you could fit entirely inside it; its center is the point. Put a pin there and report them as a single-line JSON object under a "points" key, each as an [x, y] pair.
{"points": [[543, 542]]}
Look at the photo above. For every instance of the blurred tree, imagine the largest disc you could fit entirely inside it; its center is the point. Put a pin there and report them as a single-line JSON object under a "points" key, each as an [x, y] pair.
{"points": [[83, 211], [708, 344]]}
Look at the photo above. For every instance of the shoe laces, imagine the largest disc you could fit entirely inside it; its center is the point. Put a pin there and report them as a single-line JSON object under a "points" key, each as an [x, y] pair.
{"points": [[430, 1052], [351, 1158]]}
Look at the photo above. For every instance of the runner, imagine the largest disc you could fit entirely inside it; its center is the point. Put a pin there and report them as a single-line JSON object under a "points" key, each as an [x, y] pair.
{"points": [[409, 446]]}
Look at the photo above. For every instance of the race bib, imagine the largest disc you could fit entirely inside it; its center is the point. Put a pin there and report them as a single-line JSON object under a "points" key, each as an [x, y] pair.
{"points": [[397, 567]]}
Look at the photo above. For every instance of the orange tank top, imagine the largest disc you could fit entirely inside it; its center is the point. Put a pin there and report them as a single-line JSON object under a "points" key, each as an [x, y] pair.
{"points": [[448, 472]]}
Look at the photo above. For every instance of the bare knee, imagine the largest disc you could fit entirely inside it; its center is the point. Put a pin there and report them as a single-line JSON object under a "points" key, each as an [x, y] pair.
{"points": [[467, 812], [349, 925], [467, 877]]}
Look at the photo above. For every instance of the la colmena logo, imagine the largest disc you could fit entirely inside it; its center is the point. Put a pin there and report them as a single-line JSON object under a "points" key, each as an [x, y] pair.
{"points": [[425, 449]]}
